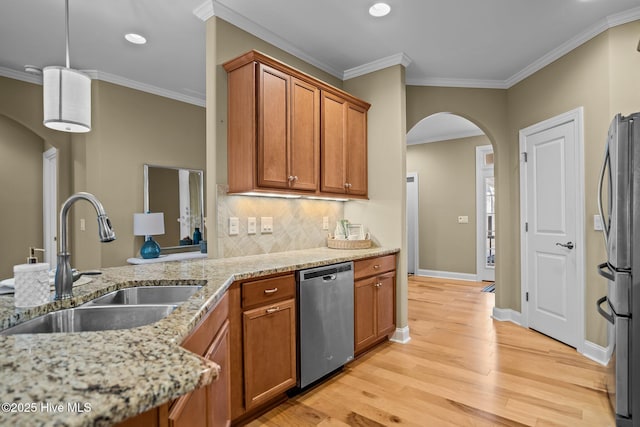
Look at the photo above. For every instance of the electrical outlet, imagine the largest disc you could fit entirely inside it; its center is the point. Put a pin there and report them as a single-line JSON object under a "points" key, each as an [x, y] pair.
{"points": [[463, 219], [234, 226], [83, 224], [266, 224], [325, 222], [251, 225]]}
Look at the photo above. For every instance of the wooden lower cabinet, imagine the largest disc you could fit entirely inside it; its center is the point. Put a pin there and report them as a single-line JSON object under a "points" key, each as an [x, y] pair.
{"points": [[207, 406], [269, 338], [374, 310]]}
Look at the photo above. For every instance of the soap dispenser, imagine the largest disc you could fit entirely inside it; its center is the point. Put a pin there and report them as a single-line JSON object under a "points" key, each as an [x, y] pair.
{"points": [[31, 281]]}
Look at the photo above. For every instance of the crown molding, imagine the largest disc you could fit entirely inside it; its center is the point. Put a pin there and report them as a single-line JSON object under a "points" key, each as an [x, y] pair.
{"points": [[379, 64], [20, 75], [468, 83], [132, 84], [204, 11], [262, 33], [575, 42], [111, 78]]}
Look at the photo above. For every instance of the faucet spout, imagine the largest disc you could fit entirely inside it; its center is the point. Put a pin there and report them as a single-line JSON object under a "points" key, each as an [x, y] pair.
{"points": [[64, 276]]}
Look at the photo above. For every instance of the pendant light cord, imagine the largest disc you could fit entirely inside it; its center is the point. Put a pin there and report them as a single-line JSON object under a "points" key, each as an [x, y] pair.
{"points": [[66, 14]]}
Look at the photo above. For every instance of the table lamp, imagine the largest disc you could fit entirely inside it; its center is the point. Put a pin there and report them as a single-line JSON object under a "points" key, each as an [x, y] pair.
{"points": [[148, 224]]}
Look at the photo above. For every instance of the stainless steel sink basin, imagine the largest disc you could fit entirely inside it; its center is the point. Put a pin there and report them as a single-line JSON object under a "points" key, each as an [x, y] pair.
{"points": [[147, 295], [96, 318]]}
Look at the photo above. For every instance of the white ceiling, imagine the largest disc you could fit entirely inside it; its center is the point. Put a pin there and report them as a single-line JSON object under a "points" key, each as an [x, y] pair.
{"points": [[489, 43]]}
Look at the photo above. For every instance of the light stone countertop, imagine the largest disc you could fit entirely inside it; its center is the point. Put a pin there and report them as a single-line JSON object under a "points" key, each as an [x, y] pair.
{"points": [[101, 378]]}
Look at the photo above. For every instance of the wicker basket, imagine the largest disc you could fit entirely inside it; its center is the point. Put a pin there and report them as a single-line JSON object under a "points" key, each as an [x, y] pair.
{"points": [[348, 244]]}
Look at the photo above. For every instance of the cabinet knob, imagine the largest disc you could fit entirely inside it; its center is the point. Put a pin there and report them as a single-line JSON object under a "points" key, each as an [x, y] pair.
{"points": [[378, 284], [375, 267], [291, 178]]}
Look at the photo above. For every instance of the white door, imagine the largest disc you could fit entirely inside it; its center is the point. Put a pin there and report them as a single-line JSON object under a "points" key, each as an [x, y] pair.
{"points": [[553, 237], [412, 223], [485, 214]]}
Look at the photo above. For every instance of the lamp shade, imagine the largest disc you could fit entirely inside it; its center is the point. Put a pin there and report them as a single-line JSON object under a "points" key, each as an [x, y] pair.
{"points": [[66, 99], [148, 224]]}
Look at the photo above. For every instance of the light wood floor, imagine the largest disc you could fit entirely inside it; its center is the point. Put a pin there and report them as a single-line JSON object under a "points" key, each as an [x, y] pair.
{"points": [[461, 368]]}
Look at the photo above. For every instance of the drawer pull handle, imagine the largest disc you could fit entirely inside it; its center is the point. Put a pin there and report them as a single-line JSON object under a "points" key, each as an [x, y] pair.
{"points": [[270, 291], [375, 267], [272, 310]]}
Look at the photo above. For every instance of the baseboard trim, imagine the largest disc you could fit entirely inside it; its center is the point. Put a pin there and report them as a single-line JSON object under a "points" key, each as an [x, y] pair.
{"points": [[401, 335], [447, 275], [597, 353], [507, 315]]}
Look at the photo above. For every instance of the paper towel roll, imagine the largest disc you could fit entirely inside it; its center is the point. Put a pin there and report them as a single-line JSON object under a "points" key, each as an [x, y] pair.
{"points": [[31, 284]]}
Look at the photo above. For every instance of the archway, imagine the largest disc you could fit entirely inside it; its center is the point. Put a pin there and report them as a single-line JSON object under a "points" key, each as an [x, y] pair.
{"points": [[452, 158]]}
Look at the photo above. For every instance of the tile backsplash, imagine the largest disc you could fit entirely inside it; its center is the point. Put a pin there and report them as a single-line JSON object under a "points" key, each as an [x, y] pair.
{"points": [[297, 223]]}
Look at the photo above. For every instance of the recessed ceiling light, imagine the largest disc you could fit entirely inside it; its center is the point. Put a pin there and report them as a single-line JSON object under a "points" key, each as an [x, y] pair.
{"points": [[379, 9], [135, 38]]}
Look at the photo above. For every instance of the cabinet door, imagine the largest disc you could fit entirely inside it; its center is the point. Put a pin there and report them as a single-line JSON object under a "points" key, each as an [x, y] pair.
{"points": [[190, 410], [364, 313], [304, 147], [356, 148], [269, 343], [385, 304], [218, 410], [332, 147], [273, 127]]}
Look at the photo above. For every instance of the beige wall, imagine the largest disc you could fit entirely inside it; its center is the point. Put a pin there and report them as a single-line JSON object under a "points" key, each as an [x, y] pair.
{"points": [[447, 188], [20, 194], [384, 214], [487, 108], [129, 128]]}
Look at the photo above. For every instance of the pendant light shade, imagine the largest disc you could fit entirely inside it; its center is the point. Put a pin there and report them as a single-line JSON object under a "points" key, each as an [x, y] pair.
{"points": [[67, 99], [66, 94]]}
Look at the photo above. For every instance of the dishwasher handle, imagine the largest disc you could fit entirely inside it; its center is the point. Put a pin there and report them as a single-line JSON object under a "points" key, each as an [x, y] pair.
{"points": [[329, 278]]}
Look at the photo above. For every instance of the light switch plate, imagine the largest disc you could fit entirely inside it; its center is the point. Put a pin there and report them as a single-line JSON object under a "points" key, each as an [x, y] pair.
{"points": [[463, 219], [234, 226], [597, 223], [325, 222], [251, 225], [266, 224]]}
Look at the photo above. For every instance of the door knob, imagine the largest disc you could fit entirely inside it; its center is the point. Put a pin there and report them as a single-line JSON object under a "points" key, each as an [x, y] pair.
{"points": [[568, 245]]}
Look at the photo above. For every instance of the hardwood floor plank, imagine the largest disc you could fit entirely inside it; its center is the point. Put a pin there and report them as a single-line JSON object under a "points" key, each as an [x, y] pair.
{"points": [[461, 368]]}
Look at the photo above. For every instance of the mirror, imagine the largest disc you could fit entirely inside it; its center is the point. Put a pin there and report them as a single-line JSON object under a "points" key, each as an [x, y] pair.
{"points": [[179, 194]]}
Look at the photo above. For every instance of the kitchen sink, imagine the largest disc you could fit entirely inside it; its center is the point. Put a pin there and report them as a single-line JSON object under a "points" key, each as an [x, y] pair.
{"points": [[143, 295], [96, 318]]}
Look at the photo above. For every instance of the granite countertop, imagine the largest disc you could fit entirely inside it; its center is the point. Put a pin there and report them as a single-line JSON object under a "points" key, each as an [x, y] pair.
{"points": [[101, 378]]}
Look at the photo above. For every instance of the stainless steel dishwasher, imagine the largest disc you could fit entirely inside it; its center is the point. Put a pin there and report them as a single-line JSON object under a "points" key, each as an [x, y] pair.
{"points": [[325, 320]]}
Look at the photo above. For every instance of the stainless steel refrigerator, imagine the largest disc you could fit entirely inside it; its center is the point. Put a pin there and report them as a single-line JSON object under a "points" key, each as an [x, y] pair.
{"points": [[620, 185]]}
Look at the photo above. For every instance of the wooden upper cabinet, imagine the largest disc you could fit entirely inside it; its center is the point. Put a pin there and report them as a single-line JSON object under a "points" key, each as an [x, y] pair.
{"points": [[343, 146], [273, 127], [277, 123]]}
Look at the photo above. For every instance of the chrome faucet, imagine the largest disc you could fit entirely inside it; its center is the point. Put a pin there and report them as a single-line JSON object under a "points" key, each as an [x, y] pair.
{"points": [[64, 276]]}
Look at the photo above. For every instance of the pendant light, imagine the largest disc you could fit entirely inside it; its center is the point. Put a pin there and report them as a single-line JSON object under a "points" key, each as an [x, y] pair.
{"points": [[66, 94]]}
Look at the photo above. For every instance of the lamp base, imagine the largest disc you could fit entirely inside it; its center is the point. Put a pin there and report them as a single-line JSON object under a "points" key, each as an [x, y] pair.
{"points": [[150, 249]]}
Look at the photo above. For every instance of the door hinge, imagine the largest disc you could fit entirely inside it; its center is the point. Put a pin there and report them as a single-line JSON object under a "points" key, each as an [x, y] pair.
{"points": [[526, 227], [524, 157], [526, 296]]}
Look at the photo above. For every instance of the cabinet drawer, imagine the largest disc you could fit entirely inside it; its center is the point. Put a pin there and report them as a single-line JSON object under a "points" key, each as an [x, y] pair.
{"points": [[372, 266], [198, 341], [266, 291]]}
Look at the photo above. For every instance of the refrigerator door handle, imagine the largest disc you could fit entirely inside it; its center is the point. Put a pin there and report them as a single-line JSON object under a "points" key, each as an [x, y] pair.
{"points": [[605, 271], [606, 225], [603, 313]]}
